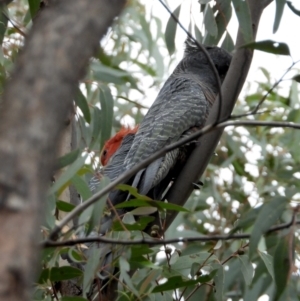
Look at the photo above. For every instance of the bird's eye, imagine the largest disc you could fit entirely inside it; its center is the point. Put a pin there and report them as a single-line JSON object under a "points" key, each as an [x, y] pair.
{"points": [[104, 153]]}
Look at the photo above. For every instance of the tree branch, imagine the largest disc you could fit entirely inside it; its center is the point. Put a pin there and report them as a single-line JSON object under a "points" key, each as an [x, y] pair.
{"points": [[232, 85], [33, 111], [154, 242]]}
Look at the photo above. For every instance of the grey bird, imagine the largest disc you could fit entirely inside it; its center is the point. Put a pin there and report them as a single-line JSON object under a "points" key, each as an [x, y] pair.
{"points": [[181, 107]]}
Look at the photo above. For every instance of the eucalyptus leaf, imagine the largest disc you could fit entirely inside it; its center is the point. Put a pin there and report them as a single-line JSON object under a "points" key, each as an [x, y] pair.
{"points": [[171, 31]]}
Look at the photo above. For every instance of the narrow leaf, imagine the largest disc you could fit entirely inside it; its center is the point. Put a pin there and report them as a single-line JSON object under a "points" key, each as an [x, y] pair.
{"points": [[297, 78], [91, 268], [64, 273], [171, 31], [270, 47], [100, 204], [247, 268], [210, 22], [68, 174], [67, 159], [143, 211], [178, 281], [96, 125], [139, 225], [34, 6], [293, 8], [268, 261], [64, 206], [219, 281], [281, 265], [198, 34], [133, 192], [3, 21], [81, 187], [107, 110], [157, 204], [243, 14], [279, 11], [228, 43], [267, 216], [73, 299], [81, 102]]}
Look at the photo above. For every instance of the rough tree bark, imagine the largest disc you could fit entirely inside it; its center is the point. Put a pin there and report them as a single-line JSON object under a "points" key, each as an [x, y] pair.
{"points": [[34, 108], [232, 85]]}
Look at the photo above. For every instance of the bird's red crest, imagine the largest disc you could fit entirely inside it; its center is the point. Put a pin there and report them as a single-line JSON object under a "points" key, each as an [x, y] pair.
{"points": [[112, 145]]}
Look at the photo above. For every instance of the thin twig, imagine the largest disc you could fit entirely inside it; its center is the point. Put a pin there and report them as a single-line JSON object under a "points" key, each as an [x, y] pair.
{"points": [[201, 266], [255, 110], [234, 254], [152, 242]]}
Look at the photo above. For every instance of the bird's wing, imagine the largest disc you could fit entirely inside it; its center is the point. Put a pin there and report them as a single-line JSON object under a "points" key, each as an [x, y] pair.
{"points": [[180, 105]]}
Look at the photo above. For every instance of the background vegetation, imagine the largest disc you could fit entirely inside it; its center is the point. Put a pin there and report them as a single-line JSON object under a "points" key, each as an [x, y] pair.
{"points": [[251, 184]]}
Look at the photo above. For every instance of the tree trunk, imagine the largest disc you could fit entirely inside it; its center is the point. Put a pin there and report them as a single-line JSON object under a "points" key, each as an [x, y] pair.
{"points": [[34, 109]]}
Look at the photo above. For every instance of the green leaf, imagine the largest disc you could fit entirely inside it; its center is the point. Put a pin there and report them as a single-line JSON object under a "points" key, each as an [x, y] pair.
{"points": [[81, 186], [3, 21], [96, 125], [34, 6], [139, 225], [279, 11], [64, 206], [297, 78], [107, 74], [269, 46], [67, 159], [219, 281], [124, 275], [76, 256], [44, 276], [178, 281], [73, 299], [224, 12], [143, 211], [148, 69], [133, 191], [157, 204], [198, 34], [247, 220], [247, 268], [292, 8], [210, 22], [281, 265], [67, 175], [186, 261], [91, 268], [107, 110], [99, 206], [81, 102], [267, 216], [268, 261], [243, 14], [64, 273], [171, 31], [228, 43]]}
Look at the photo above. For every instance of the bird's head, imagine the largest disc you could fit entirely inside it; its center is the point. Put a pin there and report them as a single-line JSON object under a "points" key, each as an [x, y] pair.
{"points": [[197, 59], [113, 144]]}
